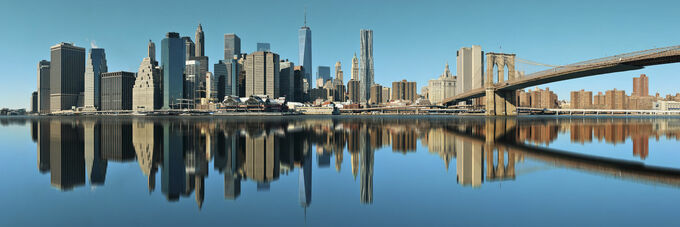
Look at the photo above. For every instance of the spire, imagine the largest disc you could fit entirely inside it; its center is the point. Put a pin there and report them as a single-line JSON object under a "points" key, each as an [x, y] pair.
{"points": [[305, 16], [200, 28]]}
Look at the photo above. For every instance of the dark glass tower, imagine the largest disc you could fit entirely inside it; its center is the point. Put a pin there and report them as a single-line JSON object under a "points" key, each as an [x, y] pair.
{"points": [[172, 62]]}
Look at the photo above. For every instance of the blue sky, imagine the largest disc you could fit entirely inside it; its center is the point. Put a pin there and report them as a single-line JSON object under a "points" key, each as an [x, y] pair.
{"points": [[412, 39]]}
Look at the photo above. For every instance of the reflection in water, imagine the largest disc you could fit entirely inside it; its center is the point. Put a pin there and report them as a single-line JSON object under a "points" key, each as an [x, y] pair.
{"points": [[261, 150]]}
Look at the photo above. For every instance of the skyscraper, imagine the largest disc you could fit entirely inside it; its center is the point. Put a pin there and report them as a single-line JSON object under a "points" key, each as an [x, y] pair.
{"points": [[641, 86], [366, 71], [200, 43], [189, 48], [262, 74], [96, 64], [305, 51], [67, 73], [323, 74], [44, 87], [286, 79], [263, 47], [227, 73], [404, 90], [117, 90], [146, 93], [173, 60], [232, 46], [354, 74], [338, 73], [470, 61]]}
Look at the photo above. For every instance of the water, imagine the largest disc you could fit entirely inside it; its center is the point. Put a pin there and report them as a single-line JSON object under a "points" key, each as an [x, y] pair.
{"points": [[339, 171]]}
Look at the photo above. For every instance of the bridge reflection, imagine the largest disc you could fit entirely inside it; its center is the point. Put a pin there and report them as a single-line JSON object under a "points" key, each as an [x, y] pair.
{"points": [[75, 151]]}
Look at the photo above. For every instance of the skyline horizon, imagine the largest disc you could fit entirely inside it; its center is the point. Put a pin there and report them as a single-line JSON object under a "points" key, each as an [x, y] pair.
{"points": [[126, 54]]}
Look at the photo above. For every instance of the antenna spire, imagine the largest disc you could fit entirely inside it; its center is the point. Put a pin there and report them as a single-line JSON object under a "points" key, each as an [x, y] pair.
{"points": [[305, 16]]}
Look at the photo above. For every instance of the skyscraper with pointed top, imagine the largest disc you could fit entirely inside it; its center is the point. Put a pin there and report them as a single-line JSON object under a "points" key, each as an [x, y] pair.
{"points": [[355, 68], [305, 50], [200, 42]]}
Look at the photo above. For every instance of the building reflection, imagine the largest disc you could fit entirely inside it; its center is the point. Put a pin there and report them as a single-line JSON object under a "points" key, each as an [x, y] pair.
{"points": [[485, 150]]}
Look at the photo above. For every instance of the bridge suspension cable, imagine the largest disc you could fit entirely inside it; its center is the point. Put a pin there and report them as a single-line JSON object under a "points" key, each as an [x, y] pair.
{"points": [[525, 61]]}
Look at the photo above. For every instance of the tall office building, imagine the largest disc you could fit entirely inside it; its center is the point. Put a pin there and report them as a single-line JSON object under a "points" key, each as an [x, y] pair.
{"points": [[323, 74], [34, 102], [305, 51], [117, 90], [67, 73], [146, 93], [298, 84], [376, 94], [354, 74], [96, 64], [227, 74], [470, 68], [338, 74], [172, 61], [44, 87], [263, 47], [200, 42], [189, 48], [366, 76], [287, 80], [192, 74], [641, 86], [262, 74], [354, 91], [232, 46]]}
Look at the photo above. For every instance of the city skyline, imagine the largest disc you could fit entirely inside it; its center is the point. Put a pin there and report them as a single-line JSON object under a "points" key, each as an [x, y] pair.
{"points": [[334, 43]]}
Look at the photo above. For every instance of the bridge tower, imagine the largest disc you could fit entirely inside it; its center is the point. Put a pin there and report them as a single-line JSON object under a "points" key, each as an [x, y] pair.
{"points": [[500, 102]]}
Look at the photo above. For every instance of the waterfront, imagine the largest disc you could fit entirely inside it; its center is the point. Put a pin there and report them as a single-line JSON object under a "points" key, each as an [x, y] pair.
{"points": [[340, 170]]}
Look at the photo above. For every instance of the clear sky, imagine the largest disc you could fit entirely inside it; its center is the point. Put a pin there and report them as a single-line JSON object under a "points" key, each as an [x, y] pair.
{"points": [[412, 39]]}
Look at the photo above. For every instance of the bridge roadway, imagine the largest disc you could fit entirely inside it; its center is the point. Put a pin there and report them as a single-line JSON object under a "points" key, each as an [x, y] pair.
{"points": [[616, 63], [617, 168]]}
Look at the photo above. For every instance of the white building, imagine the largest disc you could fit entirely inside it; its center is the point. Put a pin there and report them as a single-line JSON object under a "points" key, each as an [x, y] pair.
{"points": [[666, 105], [442, 87]]}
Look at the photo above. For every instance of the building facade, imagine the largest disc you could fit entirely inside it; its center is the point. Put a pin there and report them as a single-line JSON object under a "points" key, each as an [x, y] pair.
{"points": [[172, 62], [264, 47], [376, 94], [146, 93], [404, 90], [366, 76], [353, 91], [200, 42], [232, 46], [641, 86], [581, 99], [442, 87], [67, 74], [96, 64], [287, 80], [323, 74], [470, 68], [305, 52], [117, 90], [44, 87], [262, 74]]}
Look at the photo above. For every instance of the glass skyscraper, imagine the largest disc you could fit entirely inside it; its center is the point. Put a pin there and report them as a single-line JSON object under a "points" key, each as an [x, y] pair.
{"points": [[173, 60], [366, 75], [305, 51], [263, 47], [232, 46], [96, 64]]}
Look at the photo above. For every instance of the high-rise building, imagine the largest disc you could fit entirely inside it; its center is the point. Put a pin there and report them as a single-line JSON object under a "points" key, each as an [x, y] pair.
{"points": [[615, 99], [263, 47], [323, 74], [96, 64], [599, 101], [442, 87], [44, 87], [200, 42], [232, 46], [146, 93], [189, 48], [298, 84], [366, 76], [192, 74], [470, 68], [67, 73], [34, 102], [338, 74], [354, 91], [287, 80], [376, 94], [581, 99], [354, 74], [305, 51], [541, 98], [386, 94], [227, 74], [172, 62], [262, 74], [404, 90], [117, 90], [641, 86]]}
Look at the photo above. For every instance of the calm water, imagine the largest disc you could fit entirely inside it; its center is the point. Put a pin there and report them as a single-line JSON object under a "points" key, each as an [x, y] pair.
{"points": [[344, 171]]}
